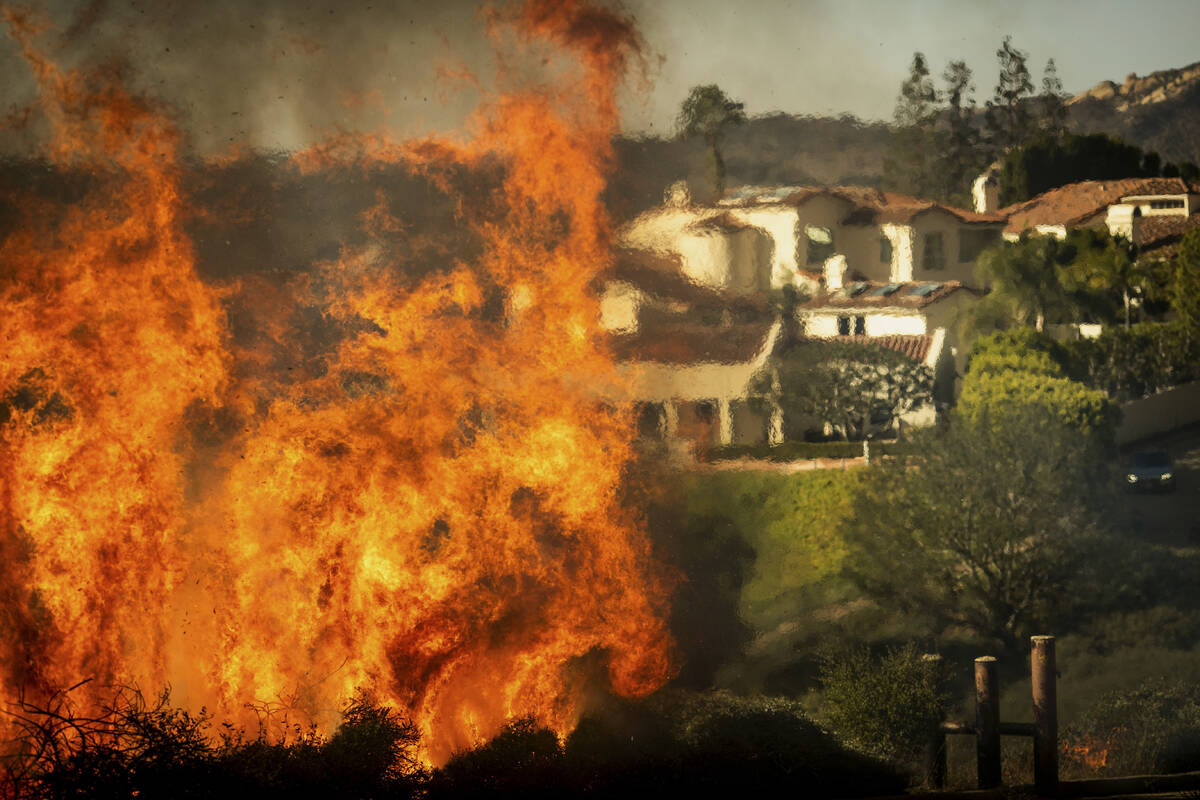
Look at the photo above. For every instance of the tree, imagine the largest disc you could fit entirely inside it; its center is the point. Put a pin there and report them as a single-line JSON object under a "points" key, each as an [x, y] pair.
{"points": [[988, 531], [707, 112], [1012, 371], [959, 145], [847, 385], [1051, 160], [909, 165], [1007, 117], [1024, 280], [1184, 290], [1104, 268], [1053, 110]]}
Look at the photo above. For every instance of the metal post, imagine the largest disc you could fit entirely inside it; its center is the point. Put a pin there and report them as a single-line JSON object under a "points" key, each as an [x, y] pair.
{"points": [[987, 722], [933, 758], [1045, 716]]}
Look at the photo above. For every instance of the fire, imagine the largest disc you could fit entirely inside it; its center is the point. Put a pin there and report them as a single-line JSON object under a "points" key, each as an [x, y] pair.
{"points": [[432, 513]]}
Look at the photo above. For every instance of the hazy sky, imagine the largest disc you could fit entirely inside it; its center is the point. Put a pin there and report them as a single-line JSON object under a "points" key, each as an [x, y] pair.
{"points": [[285, 73]]}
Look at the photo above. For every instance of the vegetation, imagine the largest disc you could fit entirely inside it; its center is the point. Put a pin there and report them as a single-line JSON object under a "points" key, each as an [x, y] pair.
{"points": [[846, 386], [1152, 728], [1007, 118], [707, 112], [1010, 374], [988, 531], [887, 705], [706, 743], [1054, 159], [136, 748]]}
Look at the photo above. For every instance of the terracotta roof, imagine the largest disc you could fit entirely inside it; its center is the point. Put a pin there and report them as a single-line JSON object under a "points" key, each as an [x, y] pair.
{"points": [[687, 343], [1076, 202], [917, 294], [1159, 235], [662, 277], [868, 204], [913, 347]]}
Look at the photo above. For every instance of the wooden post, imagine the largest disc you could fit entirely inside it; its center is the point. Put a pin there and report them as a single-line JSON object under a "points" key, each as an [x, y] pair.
{"points": [[987, 722], [933, 758], [1045, 716]]}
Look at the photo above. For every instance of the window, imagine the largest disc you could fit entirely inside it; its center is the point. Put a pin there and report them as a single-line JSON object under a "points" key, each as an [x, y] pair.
{"points": [[934, 257], [885, 250], [845, 322], [1162, 204], [972, 242], [819, 242]]}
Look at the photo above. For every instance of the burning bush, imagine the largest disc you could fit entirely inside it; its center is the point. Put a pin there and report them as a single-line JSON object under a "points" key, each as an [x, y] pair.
{"points": [[1154, 728]]}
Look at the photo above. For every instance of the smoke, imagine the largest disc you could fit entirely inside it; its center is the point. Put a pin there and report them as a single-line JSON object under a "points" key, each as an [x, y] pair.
{"points": [[268, 75]]}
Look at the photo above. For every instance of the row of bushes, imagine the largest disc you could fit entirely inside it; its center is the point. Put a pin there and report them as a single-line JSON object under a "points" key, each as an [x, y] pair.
{"points": [[669, 743]]}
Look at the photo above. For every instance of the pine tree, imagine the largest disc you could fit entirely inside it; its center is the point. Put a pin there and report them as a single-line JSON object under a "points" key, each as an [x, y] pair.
{"points": [[1007, 116], [909, 166], [1053, 110], [960, 143]]}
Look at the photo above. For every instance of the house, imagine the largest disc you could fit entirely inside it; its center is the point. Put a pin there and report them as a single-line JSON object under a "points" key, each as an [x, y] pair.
{"points": [[1152, 213], [688, 353], [783, 236]]}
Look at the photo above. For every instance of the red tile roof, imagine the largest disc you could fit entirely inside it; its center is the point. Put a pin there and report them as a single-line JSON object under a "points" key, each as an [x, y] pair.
{"points": [[687, 343], [903, 297], [662, 277], [1159, 235], [1077, 202], [869, 205], [915, 347]]}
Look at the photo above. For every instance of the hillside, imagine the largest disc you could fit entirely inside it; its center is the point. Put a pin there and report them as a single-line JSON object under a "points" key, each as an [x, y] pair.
{"points": [[1159, 112]]}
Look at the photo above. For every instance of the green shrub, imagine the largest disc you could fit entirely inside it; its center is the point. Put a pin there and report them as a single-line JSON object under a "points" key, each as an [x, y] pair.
{"points": [[1154, 728], [799, 451], [886, 706]]}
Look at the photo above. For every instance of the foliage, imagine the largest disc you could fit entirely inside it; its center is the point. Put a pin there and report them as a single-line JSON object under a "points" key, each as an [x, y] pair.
{"points": [[671, 742], [1053, 111], [153, 750], [791, 522], [997, 397], [1024, 280], [1185, 288], [1050, 160], [887, 706], [909, 165], [1104, 275], [847, 385], [707, 112], [1006, 118], [986, 528], [1154, 728], [1142, 360], [959, 144]]}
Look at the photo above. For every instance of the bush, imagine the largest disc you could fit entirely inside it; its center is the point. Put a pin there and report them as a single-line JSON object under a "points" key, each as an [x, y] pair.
{"points": [[1152, 729], [798, 451], [886, 706], [135, 748]]}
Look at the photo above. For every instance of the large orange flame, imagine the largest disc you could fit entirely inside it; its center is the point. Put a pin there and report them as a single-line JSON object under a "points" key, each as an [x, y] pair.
{"points": [[434, 514]]}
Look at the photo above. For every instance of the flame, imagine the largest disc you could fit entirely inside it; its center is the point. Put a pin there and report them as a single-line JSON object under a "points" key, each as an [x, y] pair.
{"points": [[1091, 753], [433, 513]]}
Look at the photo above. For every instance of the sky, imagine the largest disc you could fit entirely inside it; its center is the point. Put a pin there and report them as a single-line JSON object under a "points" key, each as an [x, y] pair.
{"points": [[282, 74]]}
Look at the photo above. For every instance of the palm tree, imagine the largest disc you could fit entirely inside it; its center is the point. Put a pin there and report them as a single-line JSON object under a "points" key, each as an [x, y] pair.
{"points": [[706, 112]]}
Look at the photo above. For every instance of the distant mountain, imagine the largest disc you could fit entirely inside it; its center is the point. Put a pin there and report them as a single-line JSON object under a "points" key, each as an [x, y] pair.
{"points": [[1160, 112]]}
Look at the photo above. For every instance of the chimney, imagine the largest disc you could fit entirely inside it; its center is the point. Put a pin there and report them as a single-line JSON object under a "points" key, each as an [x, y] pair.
{"points": [[835, 272], [985, 191], [1124, 219]]}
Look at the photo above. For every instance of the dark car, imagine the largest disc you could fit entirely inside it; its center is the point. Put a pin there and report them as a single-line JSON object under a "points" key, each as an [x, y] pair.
{"points": [[1150, 471]]}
